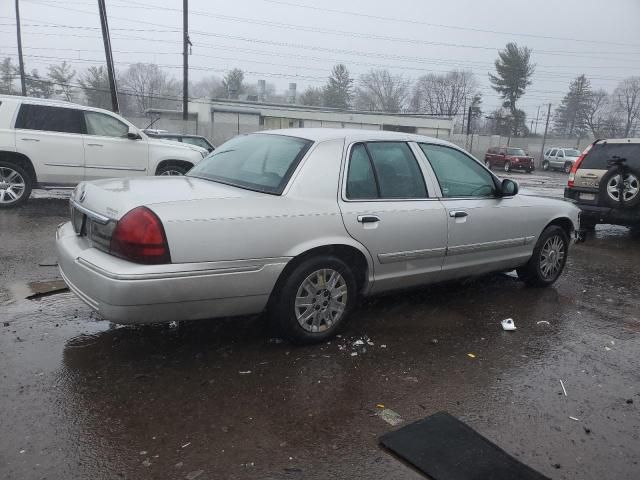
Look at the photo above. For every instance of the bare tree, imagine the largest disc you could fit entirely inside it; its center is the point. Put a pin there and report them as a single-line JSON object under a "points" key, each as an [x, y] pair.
{"points": [[210, 87], [150, 87], [627, 96], [95, 85], [379, 90], [444, 94]]}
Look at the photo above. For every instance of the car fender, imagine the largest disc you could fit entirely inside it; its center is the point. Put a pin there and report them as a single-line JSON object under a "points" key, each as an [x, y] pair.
{"points": [[346, 240]]}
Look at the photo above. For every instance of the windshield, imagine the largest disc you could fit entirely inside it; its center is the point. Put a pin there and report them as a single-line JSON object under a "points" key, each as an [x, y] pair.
{"points": [[256, 162], [570, 152], [515, 151]]}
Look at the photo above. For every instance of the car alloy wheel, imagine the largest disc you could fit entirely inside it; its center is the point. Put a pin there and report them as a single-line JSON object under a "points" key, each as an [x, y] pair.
{"points": [[487, 164], [631, 187], [171, 172], [12, 186], [567, 167], [321, 300], [552, 257], [507, 166], [545, 165]]}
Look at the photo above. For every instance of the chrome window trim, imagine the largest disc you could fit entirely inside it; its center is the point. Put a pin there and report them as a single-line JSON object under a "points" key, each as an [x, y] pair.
{"points": [[345, 169]]}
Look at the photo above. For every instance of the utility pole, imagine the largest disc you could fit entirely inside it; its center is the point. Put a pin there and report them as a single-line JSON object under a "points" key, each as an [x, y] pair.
{"points": [[546, 129], [23, 84], [109, 57], [185, 62], [537, 115]]}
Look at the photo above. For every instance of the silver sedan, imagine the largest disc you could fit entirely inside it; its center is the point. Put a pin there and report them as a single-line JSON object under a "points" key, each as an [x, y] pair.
{"points": [[302, 223]]}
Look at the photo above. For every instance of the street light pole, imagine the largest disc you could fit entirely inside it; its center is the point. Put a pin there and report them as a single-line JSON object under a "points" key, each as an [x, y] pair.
{"points": [[109, 56], [546, 129], [185, 59], [23, 84]]}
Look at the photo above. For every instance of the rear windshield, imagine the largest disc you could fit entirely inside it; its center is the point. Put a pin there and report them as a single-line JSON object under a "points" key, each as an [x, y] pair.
{"points": [[257, 162], [515, 151], [598, 156], [571, 152]]}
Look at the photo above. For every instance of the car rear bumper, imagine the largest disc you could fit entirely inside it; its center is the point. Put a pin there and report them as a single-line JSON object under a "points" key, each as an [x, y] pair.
{"points": [[124, 292], [591, 213]]}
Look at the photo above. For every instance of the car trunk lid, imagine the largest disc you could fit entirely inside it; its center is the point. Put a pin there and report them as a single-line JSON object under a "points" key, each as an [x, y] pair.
{"points": [[113, 198]]}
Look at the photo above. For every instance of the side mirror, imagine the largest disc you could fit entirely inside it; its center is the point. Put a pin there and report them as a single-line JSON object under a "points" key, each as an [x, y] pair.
{"points": [[508, 188], [133, 134]]}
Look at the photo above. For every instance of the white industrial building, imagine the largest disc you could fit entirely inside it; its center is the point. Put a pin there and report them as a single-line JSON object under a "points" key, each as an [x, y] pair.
{"points": [[220, 120]]}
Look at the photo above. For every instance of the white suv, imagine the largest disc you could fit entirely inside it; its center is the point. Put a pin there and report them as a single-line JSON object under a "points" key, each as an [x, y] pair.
{"points": [[56, 144], [560, 158]]}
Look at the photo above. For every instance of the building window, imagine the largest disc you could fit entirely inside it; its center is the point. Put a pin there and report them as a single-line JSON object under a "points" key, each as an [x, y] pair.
{"points": [[301, 123], [261, 121]]}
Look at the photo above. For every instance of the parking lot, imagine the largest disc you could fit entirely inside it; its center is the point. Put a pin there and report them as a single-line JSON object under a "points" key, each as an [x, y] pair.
{"points": [[81, 398]]}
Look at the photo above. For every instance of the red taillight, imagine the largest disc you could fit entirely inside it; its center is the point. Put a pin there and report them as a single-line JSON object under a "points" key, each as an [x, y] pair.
{"points": [[139, 236], [576, 166]]}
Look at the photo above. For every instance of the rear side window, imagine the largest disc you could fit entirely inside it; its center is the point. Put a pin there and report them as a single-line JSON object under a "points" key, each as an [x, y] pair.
{"points": [[384, 170], [50, 119], [598, 156]]}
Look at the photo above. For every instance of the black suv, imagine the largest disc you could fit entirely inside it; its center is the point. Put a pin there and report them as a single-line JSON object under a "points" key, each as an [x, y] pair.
{"points": [[605, 183]]}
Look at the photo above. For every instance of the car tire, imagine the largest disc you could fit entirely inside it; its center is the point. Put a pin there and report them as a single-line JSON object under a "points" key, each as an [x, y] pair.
{"points": [[548, 260], [309, 320], [172, 169], [507, 166], [545, 165], [11, 176], [567, 167], [610, 195]]}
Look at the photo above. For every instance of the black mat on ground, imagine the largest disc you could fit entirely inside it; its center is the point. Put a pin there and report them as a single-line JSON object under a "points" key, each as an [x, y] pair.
{"points": [[445, 448]]}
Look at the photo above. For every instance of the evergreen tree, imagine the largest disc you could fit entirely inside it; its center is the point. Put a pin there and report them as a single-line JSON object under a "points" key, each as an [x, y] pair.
{"points": [[95, 85], [339, 89], [571, 117], [7, 76], [61, 76], [233, 83], [513, 75]]}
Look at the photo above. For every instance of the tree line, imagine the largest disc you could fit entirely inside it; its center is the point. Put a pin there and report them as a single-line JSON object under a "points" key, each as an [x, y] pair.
{"points": [[583, 111]]}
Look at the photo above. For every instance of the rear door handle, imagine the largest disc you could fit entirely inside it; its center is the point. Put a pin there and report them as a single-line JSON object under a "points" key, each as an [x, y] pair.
{"points": [[30, 139], [457, 214], [368, 218], [95, 145]]}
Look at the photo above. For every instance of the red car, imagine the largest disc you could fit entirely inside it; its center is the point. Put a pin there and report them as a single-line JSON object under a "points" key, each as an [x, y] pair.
{"points": [[508, 159]]}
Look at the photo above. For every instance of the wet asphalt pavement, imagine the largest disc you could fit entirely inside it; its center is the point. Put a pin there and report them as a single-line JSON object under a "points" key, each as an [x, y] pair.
{"points": [[80, 398]]}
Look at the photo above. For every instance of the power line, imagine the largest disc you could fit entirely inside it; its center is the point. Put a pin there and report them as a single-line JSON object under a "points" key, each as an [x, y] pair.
{"points": [[440, 25], [317, 79], [329, 50], [340, 32]]}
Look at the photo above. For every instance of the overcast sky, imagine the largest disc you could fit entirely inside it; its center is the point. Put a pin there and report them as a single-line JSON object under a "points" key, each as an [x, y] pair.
{"points": [[298, 41]]}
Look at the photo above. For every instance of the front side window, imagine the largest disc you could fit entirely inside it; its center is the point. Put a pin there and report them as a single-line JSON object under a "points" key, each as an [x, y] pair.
{"points": [[458, 174], [105, 125], [386, 170], [553, 152], [50, 119], [259, 162]]}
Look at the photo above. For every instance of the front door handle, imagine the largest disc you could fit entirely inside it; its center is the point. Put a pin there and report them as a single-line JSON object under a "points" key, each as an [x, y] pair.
{"points": [[368, 218], [457, 214]]}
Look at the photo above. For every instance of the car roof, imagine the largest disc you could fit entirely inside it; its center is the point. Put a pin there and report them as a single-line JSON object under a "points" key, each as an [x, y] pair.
{"points": [[54, 102], [352, 134], [176, 135]]}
